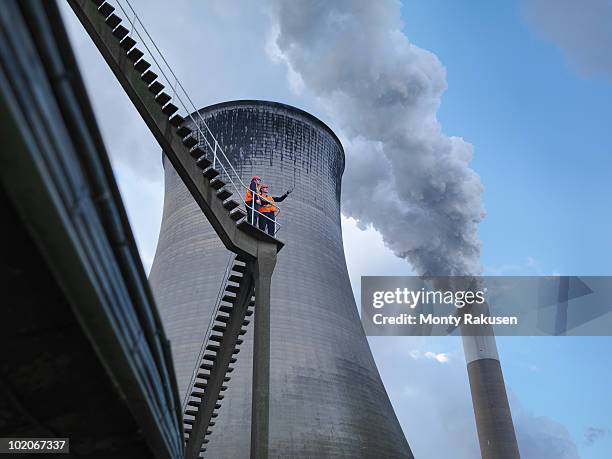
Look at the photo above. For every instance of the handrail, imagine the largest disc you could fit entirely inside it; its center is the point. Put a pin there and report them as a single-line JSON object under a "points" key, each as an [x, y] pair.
{"points": [[176, 84], [208, 332]]}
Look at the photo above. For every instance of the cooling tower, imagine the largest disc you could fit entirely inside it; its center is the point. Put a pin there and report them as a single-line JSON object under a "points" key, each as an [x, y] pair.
{"points": [[326, 396]]}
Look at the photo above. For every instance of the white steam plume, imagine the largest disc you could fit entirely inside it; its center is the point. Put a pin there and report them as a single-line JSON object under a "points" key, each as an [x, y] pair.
{"points": [[404, 176]]}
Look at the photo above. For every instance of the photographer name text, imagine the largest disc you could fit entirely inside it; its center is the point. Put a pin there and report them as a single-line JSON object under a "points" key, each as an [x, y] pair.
{"points": [[450, 320]]}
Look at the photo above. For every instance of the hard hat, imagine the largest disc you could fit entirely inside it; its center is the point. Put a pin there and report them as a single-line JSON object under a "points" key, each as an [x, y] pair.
{"points": [[255, 177]]}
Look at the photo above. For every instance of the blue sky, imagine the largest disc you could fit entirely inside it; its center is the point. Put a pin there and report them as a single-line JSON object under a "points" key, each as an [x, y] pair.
{"points": [[541, 141], [538, 127]]}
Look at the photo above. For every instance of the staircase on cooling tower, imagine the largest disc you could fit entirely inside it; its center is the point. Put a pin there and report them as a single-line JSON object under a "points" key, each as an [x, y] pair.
{"points": [[214, 362], [200, 167]]}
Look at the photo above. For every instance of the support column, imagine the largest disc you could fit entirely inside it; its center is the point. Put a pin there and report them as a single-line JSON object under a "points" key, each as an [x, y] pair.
{"points": [[260, 417]]}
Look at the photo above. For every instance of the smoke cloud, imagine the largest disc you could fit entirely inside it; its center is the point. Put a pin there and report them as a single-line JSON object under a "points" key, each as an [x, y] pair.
{"points": [[404, 176], [541, 437], [580, 29]]}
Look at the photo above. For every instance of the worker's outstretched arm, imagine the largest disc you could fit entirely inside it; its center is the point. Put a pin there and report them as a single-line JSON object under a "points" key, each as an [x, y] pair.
{"points": [[281, 198]]}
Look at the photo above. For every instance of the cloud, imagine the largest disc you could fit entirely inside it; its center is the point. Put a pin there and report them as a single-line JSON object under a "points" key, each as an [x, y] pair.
{"points": [[404, 176], [431, 399], [580, 29], [433, 403], [593, 434], [541, 437], [440, 357]]}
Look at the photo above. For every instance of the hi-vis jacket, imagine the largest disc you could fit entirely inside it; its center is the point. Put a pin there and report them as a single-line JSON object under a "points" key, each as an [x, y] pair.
{"points": [[267, 204], [249, 197], [253, 190]]}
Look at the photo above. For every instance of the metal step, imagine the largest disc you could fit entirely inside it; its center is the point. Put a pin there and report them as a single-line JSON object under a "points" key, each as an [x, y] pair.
{"points": [[142, 66], [177, 120], [163, 98], [128, 43], [120, 32], [203, 162], [113, 20], [232, 288], [135, 54], [219, 328], [230, 204], [211, 173], [237, 214], [224, 193], [106, 9], [228, 299], [196, 153], [183, 131], [190, 141], [149, 76], [223, 319], [217, 183], [169, 109], [156, 87]]}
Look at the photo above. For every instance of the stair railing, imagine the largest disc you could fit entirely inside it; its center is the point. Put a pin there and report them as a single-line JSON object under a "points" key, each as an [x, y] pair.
{"points": [[209, 328], [182, 96]]}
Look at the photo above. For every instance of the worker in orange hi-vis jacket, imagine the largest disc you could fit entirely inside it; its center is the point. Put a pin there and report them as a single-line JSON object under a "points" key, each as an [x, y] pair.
{"points": [[267, 219]]}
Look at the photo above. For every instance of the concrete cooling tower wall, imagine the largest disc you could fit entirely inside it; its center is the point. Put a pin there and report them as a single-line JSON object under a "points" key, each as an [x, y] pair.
{"points": [[327, 398]]}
